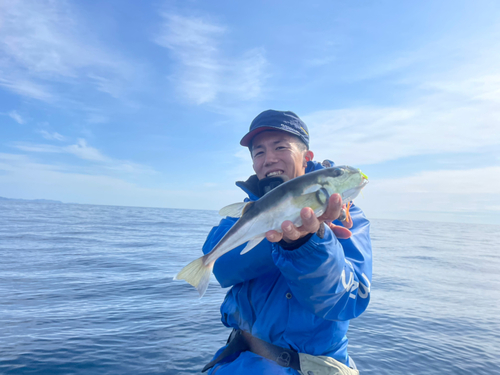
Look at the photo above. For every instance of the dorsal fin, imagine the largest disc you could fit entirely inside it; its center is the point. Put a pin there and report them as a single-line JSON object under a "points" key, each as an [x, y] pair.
{"points": [[235, 209]]}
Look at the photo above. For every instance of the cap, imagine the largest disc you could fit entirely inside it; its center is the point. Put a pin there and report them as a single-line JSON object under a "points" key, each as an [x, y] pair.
{"points": [[277, 120]]}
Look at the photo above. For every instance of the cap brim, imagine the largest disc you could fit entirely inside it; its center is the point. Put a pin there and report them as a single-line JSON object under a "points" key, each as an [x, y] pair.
{"points": [[247, 139]]}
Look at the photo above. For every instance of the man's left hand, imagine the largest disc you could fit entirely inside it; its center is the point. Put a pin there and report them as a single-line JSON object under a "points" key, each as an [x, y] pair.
{"points": [[311, 223]]}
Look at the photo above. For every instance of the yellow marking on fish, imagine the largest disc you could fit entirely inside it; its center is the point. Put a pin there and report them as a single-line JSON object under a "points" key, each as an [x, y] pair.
{"points": [[362, 174]]}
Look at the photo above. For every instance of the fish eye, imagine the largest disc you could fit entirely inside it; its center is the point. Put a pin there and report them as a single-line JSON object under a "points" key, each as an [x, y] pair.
{"points": [[337, 171]]}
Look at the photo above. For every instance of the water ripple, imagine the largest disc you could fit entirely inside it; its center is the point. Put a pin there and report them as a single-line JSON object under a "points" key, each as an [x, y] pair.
{"points": [[89, 289]]}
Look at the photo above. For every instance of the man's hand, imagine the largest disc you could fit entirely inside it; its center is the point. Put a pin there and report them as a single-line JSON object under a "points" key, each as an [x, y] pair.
{"points": [[311, 223]]}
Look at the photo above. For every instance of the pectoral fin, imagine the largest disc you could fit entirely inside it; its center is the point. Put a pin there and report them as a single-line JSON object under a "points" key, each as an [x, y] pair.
{"points": [[235, 209], [252, 243], [316, 200], [312, 189]]}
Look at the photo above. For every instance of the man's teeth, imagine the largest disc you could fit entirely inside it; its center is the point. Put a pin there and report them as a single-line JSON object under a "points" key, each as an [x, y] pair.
{"points": [[276, 173]]}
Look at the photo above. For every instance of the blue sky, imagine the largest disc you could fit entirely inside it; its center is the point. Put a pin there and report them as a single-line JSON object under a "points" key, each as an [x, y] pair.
{"points": [[144, 103]]}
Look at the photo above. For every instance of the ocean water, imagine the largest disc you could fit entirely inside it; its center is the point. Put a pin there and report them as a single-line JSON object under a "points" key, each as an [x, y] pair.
{"points": [[88, 290]]}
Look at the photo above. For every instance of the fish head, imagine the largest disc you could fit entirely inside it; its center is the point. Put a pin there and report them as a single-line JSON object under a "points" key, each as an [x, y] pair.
{"points": [[345, 180]]}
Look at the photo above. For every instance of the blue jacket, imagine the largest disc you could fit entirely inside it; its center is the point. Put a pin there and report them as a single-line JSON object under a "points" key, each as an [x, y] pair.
{"points": [[301, 299]]}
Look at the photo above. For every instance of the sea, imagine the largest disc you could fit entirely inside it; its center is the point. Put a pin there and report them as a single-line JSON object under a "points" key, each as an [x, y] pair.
{"points": [[88, 289]]}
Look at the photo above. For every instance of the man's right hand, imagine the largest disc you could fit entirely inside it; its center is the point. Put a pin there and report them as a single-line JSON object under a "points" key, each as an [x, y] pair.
{"points": [[311, 223]]}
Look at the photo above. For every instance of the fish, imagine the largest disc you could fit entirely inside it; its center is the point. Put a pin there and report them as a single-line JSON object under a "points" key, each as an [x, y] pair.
{"points": [[268, 213]]}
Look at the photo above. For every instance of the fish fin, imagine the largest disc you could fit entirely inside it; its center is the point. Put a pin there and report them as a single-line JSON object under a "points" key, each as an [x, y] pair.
{"points": [[252, 243], [197, 273], [312, 189], [247, 207], [309, 200], [235, 209]]}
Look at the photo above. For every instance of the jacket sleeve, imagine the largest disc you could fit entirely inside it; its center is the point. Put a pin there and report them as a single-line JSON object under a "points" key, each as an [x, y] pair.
{"points": [[330, 277], [233, 268]]}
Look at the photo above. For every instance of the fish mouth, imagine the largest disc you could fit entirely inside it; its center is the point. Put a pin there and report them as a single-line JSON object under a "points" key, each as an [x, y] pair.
{"points": [[352, 193], [274, 173]]}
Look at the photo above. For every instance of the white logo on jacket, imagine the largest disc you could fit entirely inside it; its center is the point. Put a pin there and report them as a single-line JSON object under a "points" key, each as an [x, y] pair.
{"points": [[352, 285]]}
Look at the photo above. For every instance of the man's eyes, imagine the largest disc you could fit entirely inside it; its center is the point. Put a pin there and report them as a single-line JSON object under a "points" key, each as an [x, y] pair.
{"points": [[262, 152]]}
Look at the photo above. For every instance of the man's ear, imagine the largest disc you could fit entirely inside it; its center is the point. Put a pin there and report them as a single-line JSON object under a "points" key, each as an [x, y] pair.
{"points": [[309, 155]]}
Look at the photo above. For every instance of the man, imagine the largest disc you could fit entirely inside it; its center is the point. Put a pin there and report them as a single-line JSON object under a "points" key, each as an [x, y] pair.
{"points": [[296, 291]]}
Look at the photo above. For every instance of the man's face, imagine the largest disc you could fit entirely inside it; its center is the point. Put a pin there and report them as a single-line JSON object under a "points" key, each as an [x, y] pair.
{"points": [[276, 153]]}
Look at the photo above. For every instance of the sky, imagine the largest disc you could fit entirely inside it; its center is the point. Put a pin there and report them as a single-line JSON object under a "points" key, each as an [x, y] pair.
{"points": [[143, 103]]}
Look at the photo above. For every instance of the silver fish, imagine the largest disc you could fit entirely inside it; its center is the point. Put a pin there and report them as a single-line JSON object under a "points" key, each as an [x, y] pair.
{"points": [[268, 213]]}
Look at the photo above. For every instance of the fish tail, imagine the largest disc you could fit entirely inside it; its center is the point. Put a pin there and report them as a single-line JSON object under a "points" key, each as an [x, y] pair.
{"points": [[197, 273]]}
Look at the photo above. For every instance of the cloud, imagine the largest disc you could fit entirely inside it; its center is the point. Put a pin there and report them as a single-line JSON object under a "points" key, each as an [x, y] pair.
{"points": [[204, 73], [25, 87], [241, 165], [453, 195], [45, 44], [52, 136], [21, 177], [453, 117], [29, 147], [449, 104], [16, 117], [82, 150]]}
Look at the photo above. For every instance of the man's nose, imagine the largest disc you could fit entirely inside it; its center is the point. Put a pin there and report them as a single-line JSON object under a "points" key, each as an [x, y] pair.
{"points": [[270, 158]]}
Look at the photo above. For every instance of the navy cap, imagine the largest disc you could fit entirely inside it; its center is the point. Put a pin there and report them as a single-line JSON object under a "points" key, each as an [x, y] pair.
{"points": [[277, 120]]}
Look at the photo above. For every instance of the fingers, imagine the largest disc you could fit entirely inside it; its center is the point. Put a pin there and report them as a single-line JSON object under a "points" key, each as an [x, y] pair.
{"points": [[310, 224], [333, 209], [347, 222], [273, 236], [340, 232], [290, 232]]}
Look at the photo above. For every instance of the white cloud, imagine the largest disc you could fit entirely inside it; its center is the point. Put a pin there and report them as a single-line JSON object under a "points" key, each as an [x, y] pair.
{"points": [[83, 151], [242, 168], [29, 147], [16, 117], [21, 177], [204, 72], [450, 104], [80, 150], [452, 195], [99, 163], [44, 43], [25, 87], [54, 136], [444, 121], [106, 85]]}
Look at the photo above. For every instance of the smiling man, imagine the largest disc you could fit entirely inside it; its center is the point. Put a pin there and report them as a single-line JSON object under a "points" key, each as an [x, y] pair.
{"points": [[293, 295]]}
